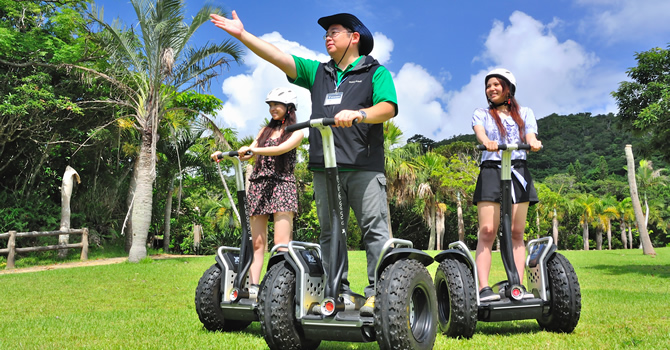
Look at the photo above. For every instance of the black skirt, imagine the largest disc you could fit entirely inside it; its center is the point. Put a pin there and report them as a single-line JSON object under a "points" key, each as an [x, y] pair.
{"points": [[488, 183]]}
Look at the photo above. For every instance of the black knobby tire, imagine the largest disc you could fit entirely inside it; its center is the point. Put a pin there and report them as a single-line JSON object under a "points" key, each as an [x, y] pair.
{"points": [[208, 303], [405, 306], [565, 296], [456, 299], [276, 310]]}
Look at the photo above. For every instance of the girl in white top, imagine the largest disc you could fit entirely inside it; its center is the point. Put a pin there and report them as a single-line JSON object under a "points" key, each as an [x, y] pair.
{"points": [[503, 122]]}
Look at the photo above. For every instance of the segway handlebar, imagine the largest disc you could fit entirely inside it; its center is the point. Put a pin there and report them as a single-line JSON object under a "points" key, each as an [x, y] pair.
{"points": [[230, 154], [511, 146], [313, 122]]}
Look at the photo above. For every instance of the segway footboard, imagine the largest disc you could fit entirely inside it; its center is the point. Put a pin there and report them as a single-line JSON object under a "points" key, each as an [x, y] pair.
{"points": [[539, 251], [234, 307], [228, 259]]}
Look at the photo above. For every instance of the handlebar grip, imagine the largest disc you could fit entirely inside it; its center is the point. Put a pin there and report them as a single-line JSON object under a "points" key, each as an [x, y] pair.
{"points": [[230, 154], [504, 146], [297, 126], [313, 122]]}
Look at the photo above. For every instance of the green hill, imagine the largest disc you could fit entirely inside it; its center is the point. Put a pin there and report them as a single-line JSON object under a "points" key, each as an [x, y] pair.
{"points": [[577, 139]]}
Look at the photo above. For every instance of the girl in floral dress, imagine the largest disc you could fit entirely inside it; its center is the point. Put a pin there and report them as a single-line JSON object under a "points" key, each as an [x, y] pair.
{"points": [[272, 187]]}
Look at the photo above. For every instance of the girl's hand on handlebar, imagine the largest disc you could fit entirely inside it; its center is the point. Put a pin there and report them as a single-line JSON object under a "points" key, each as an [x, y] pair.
{"points": [[215, 156], [491, 146], [242, 153], [535, 145]]}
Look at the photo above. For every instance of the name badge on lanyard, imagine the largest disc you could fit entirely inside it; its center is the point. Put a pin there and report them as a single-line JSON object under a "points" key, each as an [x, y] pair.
{"points": [[333, 98]]}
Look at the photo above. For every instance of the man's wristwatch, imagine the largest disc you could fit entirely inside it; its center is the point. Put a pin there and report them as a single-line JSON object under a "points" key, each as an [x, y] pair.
{"points": [[363, 114]]}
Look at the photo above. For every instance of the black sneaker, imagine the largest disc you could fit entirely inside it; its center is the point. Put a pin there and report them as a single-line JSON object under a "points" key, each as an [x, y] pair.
{"points": [[486, 294]]}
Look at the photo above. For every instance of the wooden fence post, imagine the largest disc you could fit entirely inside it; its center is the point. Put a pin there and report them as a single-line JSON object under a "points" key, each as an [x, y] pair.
{"points": [[84, 244], [11, 245]]}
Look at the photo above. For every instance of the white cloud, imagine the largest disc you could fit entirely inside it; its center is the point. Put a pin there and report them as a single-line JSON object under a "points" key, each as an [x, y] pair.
{"points": [[419, 109], [624, 20], [552, 76], [245, 108], [382, 49]]}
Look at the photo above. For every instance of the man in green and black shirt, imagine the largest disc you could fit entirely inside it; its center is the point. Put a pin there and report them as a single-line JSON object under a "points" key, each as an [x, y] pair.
{"points": [[351, 86]]}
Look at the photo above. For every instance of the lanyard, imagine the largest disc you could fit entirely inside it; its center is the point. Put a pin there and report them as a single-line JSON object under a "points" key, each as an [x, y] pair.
{"points": [[337, 84]]}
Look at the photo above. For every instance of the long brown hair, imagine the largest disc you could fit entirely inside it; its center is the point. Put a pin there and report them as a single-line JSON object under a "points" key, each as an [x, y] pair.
{"points": [[289, 119], [513, 108]]}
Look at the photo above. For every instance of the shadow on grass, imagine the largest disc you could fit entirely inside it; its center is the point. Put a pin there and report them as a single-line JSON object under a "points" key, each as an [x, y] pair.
{"points": [[253, 330], [508, 328], [646, 270]]}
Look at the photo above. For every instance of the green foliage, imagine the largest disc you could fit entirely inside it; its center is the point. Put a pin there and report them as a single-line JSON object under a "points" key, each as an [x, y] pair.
{"points": [[644, 102], [30, 214]]}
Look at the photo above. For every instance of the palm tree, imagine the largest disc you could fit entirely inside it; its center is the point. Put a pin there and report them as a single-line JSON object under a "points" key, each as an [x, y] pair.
{"points": [[647, 248], [399, 166], [625, 212], [552, 204], [431, 191], [150, 69], [457, 181], [609, 212], [586, 206], [173, 152], [648, 178]]}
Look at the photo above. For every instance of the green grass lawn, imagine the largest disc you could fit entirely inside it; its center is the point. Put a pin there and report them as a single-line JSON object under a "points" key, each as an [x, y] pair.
{"points": [[150, 305]]}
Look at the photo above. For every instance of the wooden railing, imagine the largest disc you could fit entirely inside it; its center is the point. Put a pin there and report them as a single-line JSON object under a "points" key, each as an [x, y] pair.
{"points": [[12, 250]]}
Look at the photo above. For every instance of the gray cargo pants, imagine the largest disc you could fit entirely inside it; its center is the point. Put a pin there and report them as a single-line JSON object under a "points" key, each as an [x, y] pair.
{"points": [[365, 193]]}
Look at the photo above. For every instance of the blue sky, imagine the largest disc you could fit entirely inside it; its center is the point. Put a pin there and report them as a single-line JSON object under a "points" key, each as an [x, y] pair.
{"points": [[567, 55]]}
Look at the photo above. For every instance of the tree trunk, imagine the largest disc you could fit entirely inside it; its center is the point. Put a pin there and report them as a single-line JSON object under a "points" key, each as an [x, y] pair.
{"points": [[599, 239], [66, 194], [461, 223], [168, 216], [537, 222], [128, 220], [609, 234], [141, 213], [647, 248], [624, 240], [630, 236], [646, 211], [554, 227], [585, 234], [433, 231], [439, 227]]}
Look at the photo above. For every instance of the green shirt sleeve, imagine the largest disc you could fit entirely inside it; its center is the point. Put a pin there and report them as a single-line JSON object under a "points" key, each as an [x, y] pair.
{"points": [[384, 88], [305, 72]]}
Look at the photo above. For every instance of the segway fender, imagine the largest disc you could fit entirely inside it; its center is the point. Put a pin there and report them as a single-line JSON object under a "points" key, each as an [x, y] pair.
{"points": [[275, 259], [454, 254], [404, 253]]}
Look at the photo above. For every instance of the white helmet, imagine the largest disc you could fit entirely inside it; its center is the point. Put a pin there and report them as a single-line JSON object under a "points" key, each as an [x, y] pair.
{"points": [[505, 74], [283, 95]]}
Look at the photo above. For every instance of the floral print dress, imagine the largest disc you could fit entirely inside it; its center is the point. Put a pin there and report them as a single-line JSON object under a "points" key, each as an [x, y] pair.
{"points": [[271, 191]]}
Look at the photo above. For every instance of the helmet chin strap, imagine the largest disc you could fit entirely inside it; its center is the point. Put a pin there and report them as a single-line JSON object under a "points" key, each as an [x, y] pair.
{"points": [[507, 102], [345, 51]]}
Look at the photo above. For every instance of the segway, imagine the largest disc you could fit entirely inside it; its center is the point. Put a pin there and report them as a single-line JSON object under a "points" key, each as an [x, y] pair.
{"points": [[555, 301], [300, 303], [222, 298]]}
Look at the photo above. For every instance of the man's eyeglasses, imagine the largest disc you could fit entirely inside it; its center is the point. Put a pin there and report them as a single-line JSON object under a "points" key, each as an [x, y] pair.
{"points": [[333, 34]]}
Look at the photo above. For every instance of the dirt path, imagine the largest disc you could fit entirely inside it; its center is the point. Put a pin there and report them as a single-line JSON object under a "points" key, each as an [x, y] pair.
{"points": [[96, 262]]}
